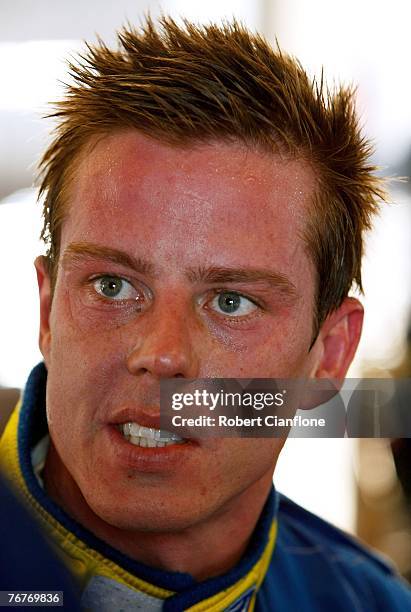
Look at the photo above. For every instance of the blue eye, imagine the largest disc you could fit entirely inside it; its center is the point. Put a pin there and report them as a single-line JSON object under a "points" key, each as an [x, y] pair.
{"points": [[233, 304], [115, 288]]}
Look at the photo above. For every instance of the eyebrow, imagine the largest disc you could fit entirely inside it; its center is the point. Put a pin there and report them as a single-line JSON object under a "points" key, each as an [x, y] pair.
{"points": [[215, 275], [77, 251]]}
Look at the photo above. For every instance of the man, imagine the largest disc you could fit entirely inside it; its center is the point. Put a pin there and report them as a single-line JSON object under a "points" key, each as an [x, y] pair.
{"points": [[204, 210]]}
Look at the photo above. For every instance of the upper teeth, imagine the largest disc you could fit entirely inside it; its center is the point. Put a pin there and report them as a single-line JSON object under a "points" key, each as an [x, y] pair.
{"points": [[148, 436]]}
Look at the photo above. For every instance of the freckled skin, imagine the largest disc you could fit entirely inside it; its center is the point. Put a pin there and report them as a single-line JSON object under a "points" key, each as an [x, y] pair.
{"points": [[210, 205]]}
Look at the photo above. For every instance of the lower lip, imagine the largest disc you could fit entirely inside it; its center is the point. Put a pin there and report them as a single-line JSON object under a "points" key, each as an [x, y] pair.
{"points": [[144, 459]]}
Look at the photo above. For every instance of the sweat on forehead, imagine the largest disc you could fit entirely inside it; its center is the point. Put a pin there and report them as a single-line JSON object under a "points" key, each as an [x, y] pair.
{"points": [[133, 155], [206, 186]]}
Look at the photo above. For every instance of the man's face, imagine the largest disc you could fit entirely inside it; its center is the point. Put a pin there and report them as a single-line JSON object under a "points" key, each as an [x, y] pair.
{"points": [[174, 262]]}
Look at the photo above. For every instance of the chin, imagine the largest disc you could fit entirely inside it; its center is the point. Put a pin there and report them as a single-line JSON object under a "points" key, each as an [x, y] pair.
{"points": [[158, 514], [142, 520]]}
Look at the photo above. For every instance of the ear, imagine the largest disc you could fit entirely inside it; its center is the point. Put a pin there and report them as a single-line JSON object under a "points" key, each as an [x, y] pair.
{"points": [[338, 340], [43, 280]]}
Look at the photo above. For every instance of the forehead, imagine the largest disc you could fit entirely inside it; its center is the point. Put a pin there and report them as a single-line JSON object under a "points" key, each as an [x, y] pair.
{"points": [[218, 199]]}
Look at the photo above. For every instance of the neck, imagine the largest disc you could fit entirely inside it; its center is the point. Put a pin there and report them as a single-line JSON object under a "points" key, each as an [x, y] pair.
{"points": [[208, 549]]}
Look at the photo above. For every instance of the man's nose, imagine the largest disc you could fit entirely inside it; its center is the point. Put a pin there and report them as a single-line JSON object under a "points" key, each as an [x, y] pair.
{"points": [[165, 347]]}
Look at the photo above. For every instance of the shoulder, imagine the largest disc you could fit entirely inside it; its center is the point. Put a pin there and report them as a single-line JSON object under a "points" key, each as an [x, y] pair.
{"points": [[303, 528], [331, 566]]}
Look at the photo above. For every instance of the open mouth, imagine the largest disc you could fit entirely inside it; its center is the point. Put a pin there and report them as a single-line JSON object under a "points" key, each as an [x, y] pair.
{"points": [[148, 437]]}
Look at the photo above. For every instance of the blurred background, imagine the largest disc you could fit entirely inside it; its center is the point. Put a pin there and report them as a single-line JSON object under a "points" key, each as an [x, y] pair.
{"points": [[353, 484]]}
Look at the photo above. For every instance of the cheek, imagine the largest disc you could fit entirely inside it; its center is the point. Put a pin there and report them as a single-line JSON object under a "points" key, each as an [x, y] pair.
{"points": [[278, 354], [275, 346], [82, 336], [242, 461], [80, 369]]}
